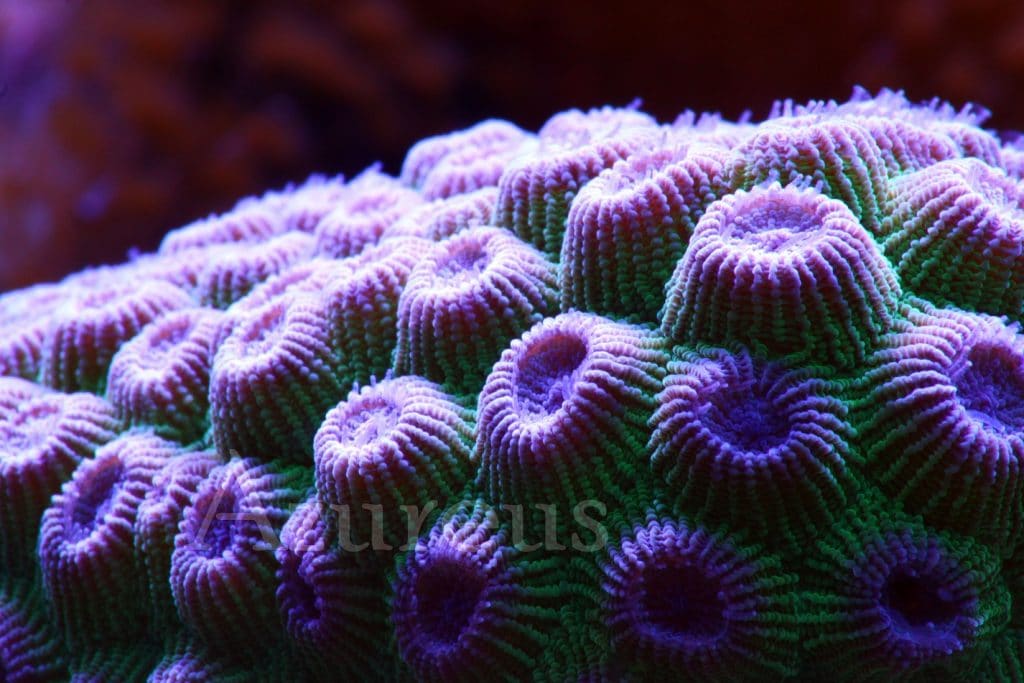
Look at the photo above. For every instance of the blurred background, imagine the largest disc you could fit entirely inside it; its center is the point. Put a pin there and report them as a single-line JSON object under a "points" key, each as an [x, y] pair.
{"points": [[120, 120]]}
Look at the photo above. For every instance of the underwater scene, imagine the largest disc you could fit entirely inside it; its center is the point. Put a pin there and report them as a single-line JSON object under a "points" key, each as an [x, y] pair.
{"points": [[613, 395]]}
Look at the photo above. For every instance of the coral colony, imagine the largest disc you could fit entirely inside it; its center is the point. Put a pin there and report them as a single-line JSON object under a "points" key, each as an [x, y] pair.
{"points": [[614, 401]]}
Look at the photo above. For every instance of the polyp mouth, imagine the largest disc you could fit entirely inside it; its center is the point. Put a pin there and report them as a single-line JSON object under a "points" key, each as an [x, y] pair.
{"points": [[447, 595], [546, 374], [680, 603]]}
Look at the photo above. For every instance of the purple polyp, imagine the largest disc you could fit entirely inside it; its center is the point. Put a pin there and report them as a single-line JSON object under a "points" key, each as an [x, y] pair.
{"points": [[682, 605], [690, 602], [546, 374], [991, 387], [447, 594], [95, 498]]}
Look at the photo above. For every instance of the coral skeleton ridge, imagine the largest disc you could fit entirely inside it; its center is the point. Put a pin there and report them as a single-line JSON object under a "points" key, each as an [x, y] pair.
{"points": [[615, 400]]}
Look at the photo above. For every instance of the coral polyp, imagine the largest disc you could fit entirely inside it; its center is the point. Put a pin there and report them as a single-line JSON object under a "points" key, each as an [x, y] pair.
{"points": [[387, 455], [447, 312], [445, 217], [248, 224], [367, 207], [162, 377], [222, 571], [44, 436], [333, 605], [461, 162], [272, 380], [535, 191], [24, 320], [634, 221], [681, 599], [956, 236], [563, 415], [467, 606], [840, 155], [786, 271], [89, 328], [232, 271], [900, 602], [752, 444], [362, 307], [86, 547], [156, 526], [612, 400], [302, 207], [942, 424]]}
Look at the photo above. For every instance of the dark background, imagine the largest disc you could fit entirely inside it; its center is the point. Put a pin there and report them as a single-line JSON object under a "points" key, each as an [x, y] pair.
{"points": [[122, 119]]}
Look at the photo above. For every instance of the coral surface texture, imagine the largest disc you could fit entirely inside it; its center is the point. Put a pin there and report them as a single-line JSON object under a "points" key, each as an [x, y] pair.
{"points": [[615, 400]]}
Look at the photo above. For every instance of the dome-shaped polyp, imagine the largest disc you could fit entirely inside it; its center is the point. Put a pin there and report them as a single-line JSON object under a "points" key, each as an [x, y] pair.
{"points": [[162, 376], [892, 600], [908, 136], [273, 379], [971, 141], [465, 301], [223, 566], [753, 444], [679, 598], [303, 278], [784, 271], [941, 422], [25, 316], [390, 453], [362, 308], [233, 270], [906, 146], [90, 327], [43, 438], [444, 217], [247, 223], [181, 269], [563, 415], [369, 205], [628, 227], [156, 526], [836, 154], [575, 126], [302, 207], [956, 235], [463, 161], [535, 191], [468, 607], [333, 604], [86, 547]]}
